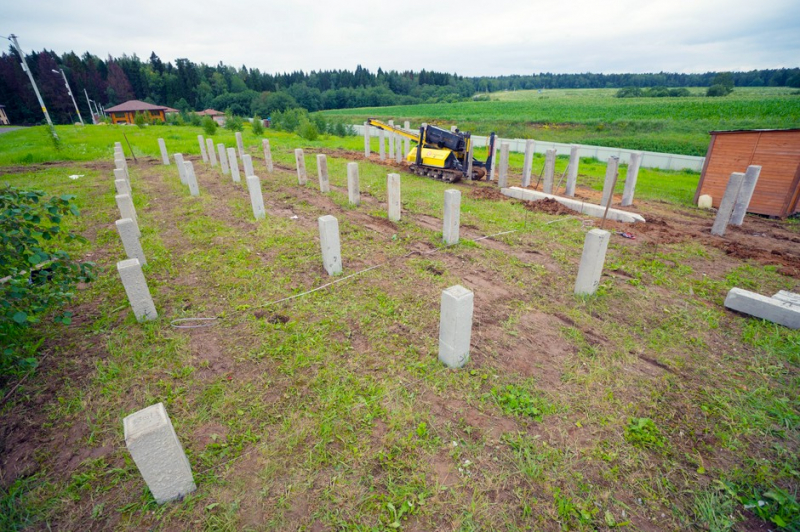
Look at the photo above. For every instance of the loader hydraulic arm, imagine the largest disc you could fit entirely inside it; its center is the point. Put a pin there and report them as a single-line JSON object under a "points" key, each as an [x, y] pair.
{"points": [[399, 131]]}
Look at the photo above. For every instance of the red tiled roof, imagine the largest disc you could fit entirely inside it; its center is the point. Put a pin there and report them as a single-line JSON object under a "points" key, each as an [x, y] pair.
{"points": [[133, 106], [210, 112]]}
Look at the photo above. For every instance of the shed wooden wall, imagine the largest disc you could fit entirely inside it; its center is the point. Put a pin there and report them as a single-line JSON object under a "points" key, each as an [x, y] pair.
{"points": [[778, 154]]}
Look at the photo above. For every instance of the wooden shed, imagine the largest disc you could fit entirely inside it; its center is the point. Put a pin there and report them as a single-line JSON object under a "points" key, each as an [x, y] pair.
{"points": [[777, 151], [125, 113]]}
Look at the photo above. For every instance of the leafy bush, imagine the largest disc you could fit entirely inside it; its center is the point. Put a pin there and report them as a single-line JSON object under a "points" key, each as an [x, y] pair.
{"points": [[642, 432], [308, 130], [193, 119], [209, 126], [776, 505], [258, 125], [37, 277], [629, 92], [233, 122], [140, 120], [718, 90], [290, 119]]}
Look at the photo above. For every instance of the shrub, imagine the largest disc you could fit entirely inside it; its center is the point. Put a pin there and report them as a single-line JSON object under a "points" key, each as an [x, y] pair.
{"points": [[718, 90], [290, 119], [140, 120], [258, 125], [308, 130], [233, 122], [209, 126], [319, 121], [194, 119]]}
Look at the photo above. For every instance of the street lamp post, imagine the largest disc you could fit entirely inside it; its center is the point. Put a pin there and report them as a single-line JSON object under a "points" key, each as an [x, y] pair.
{"points": [[13, 39], [69, 91]]}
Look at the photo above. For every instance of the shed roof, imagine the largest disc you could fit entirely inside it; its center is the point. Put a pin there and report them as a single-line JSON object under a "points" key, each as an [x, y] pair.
{"points": [[133, 106], [752, 131], [210, 112]]}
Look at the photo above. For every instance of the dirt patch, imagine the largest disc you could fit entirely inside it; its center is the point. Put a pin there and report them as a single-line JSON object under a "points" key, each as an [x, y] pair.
{"points": [[548, 206], [487, 193]]}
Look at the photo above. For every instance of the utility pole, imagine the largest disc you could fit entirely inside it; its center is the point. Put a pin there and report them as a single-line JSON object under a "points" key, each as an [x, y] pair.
{"points": [[89, 103], [13, 39], [69, 91]]}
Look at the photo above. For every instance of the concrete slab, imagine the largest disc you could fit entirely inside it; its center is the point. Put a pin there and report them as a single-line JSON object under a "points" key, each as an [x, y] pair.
{"points": [[767, 308], [589, 209]]}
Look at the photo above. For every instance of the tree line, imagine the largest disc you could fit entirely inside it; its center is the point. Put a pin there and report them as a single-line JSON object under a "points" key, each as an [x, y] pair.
{"points": [[189, 86]]}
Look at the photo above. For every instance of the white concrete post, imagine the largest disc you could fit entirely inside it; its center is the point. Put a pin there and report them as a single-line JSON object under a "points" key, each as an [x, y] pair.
{"points": [[158, 453], [572, 171], [191, 178], [393, 196], [391, 139], [527, 166], [406, 140], [122, 187], [745, 194], [502, 175], [240, 143], [121, 164], [126, 208], [329, 242], [203, 152], [322, 173], [453, 129], [247, 162], [234, 165], [452, 216], [382, 144], [118, 146], [549, 171], [212, 157], [130, 271], [630, 178], [366, 141], [300, 160], [164, 155], [256, 197], [455, 326], [398, 150], [353, 191], [267, 155], [592, 261], [470, 158], [608, 184], [130, 240], [181, 168], [727, 203], [119, 173], [495, 151], [223, 158]]}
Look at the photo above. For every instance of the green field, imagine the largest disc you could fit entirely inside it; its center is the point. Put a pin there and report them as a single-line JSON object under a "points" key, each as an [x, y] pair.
{"points": [[596, 117]]}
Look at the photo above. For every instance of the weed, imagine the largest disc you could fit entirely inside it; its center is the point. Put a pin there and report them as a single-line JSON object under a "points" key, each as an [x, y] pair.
{"points": [[643, 432]]}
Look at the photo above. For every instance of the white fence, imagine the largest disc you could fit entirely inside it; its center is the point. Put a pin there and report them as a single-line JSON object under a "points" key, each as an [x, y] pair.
{"points": [[650, 159]]}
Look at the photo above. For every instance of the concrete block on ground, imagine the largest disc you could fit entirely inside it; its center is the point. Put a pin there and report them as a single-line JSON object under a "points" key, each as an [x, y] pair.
{"points": [[267, 154], [455, 326], [164, 155], [240, 143], [705, 202], [745, 194], [203, 151], [766, 308], [212, 157], [256, 196], [382, 145], [129, 234], [727, 203], [322, 172], [630, 178], [589, 209], [247, 162], [367, 149], [549, 171], [329, 242], [608, 185], [592, 261], [122, 187], [527, 166], [181, 168], [191, 178], [452, 216], [234, 166], [300, 161], [223, 158], [130, 271], [393, 197], [788, 297], [158, 454], [572, 170], [353, 190]]}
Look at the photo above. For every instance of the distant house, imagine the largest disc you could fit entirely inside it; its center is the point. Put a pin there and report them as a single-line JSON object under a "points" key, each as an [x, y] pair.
{"points": [[217, 116], [4, 121], [125, 113], [170, 111]]}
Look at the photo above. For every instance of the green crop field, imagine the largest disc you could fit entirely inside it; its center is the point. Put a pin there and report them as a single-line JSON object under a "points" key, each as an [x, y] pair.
{"points": [[596, 117]]}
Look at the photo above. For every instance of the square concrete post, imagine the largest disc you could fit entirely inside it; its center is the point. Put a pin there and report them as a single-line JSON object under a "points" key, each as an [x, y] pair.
{"points": [[353, 191], [212, 157], [382, 144], [234, 166], [608, 184], [119, 173], [367, 149], [164, 155], [452, 216], [329, 242], [158, 453], [121, 164], [223, 158], [122, 187], [203, 152], [247, 162], [191, 178], [240, 143], [572, 171], [393, 196], [630, 178], [549, 171], [745, 194], [300, 160], [494, 149], [127, 210], [406, 140], [181, 168], [592, 261], [391, 139], [130, 271], [502, 175], [527, 166], [399, 150], [470, 159], [322, 172], [256, 197], [727, 203], [130, 240], [267, 155], [118, 146], [455, 326]]}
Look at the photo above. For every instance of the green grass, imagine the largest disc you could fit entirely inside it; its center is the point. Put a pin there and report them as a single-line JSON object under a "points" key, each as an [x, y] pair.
{"points": [[596, 117]]}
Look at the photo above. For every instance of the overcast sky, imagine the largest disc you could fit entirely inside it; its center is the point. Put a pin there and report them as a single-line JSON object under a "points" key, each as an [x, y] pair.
{"points": [[472, 38]]}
